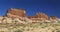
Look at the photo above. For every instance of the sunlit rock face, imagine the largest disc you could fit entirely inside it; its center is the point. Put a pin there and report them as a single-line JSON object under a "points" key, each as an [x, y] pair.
{"points": [[1, 17], [12, 12], [58, 19], [20, 15], [42, 15], [5, 20], [53, 18], [39, 16]]}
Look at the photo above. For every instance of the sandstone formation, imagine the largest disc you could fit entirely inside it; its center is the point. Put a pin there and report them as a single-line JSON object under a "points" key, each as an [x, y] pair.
{"points": [[17, 21], [16, 13], [21, 14], [39, 16], [53, 18]]}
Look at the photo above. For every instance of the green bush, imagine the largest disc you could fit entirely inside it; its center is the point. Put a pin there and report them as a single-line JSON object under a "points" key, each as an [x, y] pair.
{"points": [[18, 31], [58, 31]]}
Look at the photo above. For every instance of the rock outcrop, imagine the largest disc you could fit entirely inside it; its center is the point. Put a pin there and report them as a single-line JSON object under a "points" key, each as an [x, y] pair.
{"points": [[39, 16], [20, 13], [16, 13], [53, 18], [17, 21]]}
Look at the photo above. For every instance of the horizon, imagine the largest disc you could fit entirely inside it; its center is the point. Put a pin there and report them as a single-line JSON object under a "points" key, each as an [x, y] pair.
{"points": [[49, 7]]}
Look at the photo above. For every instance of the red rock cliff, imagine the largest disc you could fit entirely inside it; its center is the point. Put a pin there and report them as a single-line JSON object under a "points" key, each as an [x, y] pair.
{"points": [[39, 16], [16, 13]]}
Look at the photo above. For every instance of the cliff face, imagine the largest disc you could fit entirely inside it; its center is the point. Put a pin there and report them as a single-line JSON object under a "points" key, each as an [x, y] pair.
{"points": [[20, 13], [42, 15], [53, 17], [16, 13], [39, 16]]}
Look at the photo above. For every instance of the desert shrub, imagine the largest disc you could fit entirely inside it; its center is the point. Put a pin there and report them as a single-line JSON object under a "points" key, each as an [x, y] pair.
{"points": [[18, 31], [58, 31]]}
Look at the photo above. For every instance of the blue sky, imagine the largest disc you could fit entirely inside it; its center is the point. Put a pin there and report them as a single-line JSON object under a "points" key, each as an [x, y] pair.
{"points": [[49, 7]]}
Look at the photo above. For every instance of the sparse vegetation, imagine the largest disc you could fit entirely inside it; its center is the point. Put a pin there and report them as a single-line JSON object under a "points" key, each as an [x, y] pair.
{"points": [[57, 30], [18, 26], [18, 31]]}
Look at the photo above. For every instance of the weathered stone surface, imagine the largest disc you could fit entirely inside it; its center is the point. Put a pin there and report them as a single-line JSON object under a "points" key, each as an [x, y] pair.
{"points": [[42, 15], [39, 16], [16, 20], [16, 13], [20, 13], [53, 18]]}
